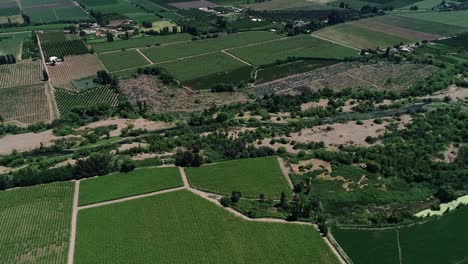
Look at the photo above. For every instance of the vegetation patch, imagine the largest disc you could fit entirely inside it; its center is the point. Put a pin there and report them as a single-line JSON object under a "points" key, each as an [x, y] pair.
{"points": [[35, 223], [120, 60], [249, 176], [208, 233]]}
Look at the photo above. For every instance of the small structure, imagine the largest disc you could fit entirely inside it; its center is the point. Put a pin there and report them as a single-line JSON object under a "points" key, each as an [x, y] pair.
{"points": [[53, 59]]}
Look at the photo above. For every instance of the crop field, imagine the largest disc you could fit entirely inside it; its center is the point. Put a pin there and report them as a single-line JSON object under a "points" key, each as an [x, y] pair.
{"points": [[35, 224], [359, 37], [25, 104], [120, 60], [74, 67], [199, 66], [455, 18], [9, 8], [66, 100], [60, 45], [300, 46], [11, 43], [275, 5], [395, 31], [11, 19], [235, 76], [72, 13], [418, 25], [440, 236], [30, 72], [210, 235], [58, 26], [111, 6], [459, 42], [180, 50], [249, 176], [380, 76], [141, 17], [119, 185], [138, 42]]}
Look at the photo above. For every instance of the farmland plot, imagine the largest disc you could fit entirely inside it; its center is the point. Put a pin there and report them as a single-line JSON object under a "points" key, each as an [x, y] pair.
{"points": [[115, 61], [74, 67], [119, 185], [454, 18], [35, 224], [30, 72], [300, 46], [11, 43], [209, 235], [66, 100], [249, 176], [25, 104], [9, 8], [53, 11]]}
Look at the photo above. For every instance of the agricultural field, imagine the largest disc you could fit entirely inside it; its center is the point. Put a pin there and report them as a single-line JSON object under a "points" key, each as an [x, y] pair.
{"points": [[12, 43], [120, 60], [159, 25], [249, 176], [120, 185], [458, 42], [11, 19], [74, 67], [235, 76], [25, 104], [434, 28], [111, 6], [139, 42], [53, 11], [180, 50], [60, 45], [300, 46], [141, 17], [208, 233], [9, 8], [359, 37], [66, 100], [441, 237], [30, 72], [278, 5], [58, 26], [454, 18], [35, 224], [194, 67], [395, 31]]}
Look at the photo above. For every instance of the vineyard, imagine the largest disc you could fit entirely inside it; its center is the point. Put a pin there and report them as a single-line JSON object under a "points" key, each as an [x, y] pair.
{"points": [[67, 100], [35, 224], [181, 227], [64, 48], [74, 67], [22, 73], [25, 104]]}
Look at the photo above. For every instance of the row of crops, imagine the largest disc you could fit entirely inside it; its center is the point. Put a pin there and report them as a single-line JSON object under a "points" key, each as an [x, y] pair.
{"points": [[67, 100], [35, 224], [22, 73], [64, 48]]}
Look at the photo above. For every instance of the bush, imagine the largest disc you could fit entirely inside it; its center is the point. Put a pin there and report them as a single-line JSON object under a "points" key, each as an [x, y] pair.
{"points": [[225, 201], [235, 196]]}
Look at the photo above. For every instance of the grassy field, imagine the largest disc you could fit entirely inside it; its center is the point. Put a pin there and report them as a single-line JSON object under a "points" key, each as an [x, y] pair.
{"points": [[198, 66], [442, 239], [120, 60], [181, 227], [11, 43], [249, 176], [419, 25], [139, 42], [119, 185], [359, 37], [66, 100], [26, 104], [35, 224], [455, 18], [300, 46], [171, 52]]}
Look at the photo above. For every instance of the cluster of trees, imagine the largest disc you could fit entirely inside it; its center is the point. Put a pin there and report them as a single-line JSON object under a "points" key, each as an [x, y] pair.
{"points": [[7, 59]]}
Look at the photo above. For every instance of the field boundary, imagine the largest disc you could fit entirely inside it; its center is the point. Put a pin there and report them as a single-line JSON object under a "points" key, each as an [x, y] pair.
{"points": [[400, 257], [285, 171], [333, 41], [237, 58], [144, 56], [71, 246], [53, 108]]}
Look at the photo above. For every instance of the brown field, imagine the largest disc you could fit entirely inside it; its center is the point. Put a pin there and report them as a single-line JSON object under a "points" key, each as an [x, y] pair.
{"points": [[23, 73], [25, 105], [396, 31], [173, 99], [74, 67], [194, 4], [379, 76]]}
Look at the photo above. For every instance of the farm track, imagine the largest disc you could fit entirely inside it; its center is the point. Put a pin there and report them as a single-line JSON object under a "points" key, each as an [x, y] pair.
{"points": [[53, 108], [144, 56], [399, 246], [71, 246], [237, 58], [332, 41], [285, 171]]}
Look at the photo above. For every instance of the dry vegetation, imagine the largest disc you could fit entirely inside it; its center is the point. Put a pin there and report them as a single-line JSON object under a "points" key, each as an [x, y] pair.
{"points": [[74, 67], [159, 97], [351, 75], [25, 72]]}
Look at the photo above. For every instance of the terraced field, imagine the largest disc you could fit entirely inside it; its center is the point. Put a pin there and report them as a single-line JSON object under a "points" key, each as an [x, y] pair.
{"points": [[190, 229], [35, 224]]}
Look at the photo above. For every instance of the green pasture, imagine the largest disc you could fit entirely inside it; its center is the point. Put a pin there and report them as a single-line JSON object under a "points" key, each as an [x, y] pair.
{"points": [[120, 185], [359, 37], [249, 176], [35, 223], [195, 67], [175, 51], [120, 60], [181, 227], [300, 46], [139, 42]]}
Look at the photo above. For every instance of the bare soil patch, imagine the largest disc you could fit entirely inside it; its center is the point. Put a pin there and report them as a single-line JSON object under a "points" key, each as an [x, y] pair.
{"points": [[25, 142], [311, 165], [121, 123], [128, 146], [159, 97]]}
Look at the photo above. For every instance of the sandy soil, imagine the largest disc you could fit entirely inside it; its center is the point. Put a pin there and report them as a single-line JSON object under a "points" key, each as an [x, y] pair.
{"points": [[65, 163], [121, 123], [315, 164], [143, 156], [321, 102], [26, 142], [128, 146], [455, 92]]}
